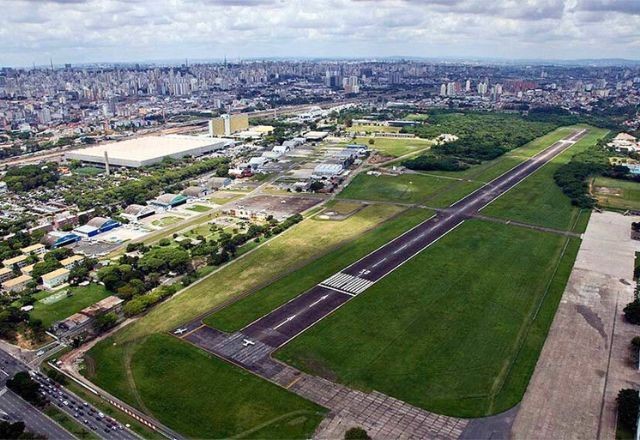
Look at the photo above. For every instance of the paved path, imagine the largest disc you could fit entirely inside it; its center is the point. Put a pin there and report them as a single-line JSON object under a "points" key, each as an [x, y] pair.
{"points": [[586, 360]]}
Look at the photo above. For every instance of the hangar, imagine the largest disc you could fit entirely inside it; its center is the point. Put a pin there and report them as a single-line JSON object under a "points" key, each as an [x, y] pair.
{"points": [[147, 150]]}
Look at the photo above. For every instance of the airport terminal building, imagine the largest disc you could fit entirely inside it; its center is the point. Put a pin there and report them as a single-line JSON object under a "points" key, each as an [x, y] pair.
{"points": [[148, 150]]}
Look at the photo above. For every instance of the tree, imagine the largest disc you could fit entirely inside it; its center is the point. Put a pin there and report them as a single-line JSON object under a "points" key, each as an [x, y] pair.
{"points": [[10, 430], [628, 402], [632, 312], [105, 322], [27, 388], [356, 434]]}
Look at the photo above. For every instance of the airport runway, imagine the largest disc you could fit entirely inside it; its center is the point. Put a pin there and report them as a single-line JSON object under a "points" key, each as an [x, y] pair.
{"points": [[260, 338]]}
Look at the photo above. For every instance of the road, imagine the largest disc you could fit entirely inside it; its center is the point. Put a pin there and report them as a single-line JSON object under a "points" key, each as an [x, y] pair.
{"points": [[260, 338], [13, 408], [103, 426]]}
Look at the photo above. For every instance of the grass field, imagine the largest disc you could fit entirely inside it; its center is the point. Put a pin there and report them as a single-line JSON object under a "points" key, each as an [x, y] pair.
{"points": [[431, 190], [50, 312], [220, 401], [538, 200], [199, 208], [373, 129], [395, 147], [250, 308], [279, 256], [167, 221], [436, 335], [616, 194]]}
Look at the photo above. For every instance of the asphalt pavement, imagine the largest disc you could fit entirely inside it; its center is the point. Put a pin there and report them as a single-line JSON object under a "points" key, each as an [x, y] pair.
{"points": [[84, 413], [289, 320]]}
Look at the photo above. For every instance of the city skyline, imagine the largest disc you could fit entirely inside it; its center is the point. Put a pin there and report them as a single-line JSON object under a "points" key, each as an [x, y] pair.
{"points": [[91, 31]]}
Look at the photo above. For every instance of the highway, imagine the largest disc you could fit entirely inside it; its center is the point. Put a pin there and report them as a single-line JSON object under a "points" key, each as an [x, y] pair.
{"points": [[263, 336], [13, 408], [85, 414]]}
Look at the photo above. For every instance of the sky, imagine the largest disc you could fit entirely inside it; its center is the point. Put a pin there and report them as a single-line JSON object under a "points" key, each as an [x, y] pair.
{"points": [[87, 31]]}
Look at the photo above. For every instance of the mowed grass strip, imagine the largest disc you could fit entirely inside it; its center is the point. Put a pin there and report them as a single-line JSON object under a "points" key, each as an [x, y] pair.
{"points": [[453, 329], [200, 395], [616, 194], [395, 147], [538, 200], [283, 254], [252, 307]]}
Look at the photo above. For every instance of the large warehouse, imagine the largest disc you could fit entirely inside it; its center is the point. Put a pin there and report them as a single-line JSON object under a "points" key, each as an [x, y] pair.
{"points": [[148, 150]]}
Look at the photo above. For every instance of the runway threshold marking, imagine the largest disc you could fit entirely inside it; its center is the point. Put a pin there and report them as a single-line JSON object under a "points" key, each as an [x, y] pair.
{"points": [[289, 319]]}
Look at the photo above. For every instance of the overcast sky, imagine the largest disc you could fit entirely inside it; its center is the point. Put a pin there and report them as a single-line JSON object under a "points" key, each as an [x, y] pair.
{"points": [[32, 31]]}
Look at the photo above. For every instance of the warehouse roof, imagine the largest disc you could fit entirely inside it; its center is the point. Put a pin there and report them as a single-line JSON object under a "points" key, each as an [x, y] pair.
{"points": [[149, 149]]}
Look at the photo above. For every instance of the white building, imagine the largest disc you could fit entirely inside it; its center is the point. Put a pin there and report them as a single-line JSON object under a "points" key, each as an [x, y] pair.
{"points": [[53, 279]]}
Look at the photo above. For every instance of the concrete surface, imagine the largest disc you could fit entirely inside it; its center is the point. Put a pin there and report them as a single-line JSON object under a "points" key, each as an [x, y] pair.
{"points": [[586, 360]]}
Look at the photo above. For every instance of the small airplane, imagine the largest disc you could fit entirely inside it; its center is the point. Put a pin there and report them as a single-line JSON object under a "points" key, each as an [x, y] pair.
{"points": [[180, 331], [247, 342]]}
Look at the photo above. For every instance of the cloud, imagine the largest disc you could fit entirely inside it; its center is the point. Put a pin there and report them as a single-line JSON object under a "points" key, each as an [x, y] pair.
{"points": [[620, 6], [139, 30]]}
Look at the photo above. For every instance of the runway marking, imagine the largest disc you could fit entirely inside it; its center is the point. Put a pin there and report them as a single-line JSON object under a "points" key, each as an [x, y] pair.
{"points": [[336, 289], [379, 262], [192, 331], [289, 319], [322, 298], [400, 248], [293, 382], [347, 283]]}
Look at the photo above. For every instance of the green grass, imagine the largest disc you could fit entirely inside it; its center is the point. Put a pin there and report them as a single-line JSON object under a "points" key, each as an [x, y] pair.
{"points": [[395, 147], [292, 250], [81, 297], [167, 221], [250, 308], [616, 194], [489, 170], [436, 334], [199, 208], [374, 129], [431, 190], [88, 171], [220, 401], [538, 200]]}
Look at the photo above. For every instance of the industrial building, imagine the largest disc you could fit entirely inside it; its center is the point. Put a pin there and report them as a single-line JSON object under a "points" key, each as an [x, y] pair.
{"points": [[135, 212], [144, 151], [95, 226], [57, 239], [226, 125], [168, 200]]}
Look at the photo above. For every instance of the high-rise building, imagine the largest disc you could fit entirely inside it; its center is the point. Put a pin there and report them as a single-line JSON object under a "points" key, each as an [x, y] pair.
{"points": [[443, 90], [227, 124]]}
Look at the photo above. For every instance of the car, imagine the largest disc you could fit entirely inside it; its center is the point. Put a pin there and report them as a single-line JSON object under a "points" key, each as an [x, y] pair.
{"points": [[66, 402], [107, 430], [94, 427], [40, 353], [85, 421], [101, 415]]}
